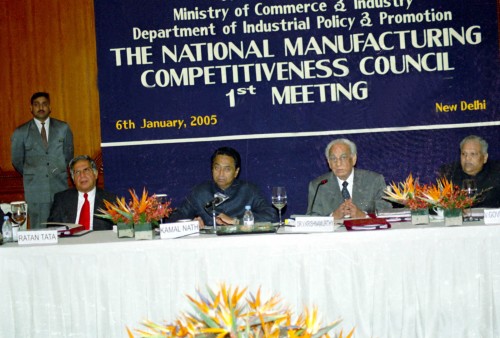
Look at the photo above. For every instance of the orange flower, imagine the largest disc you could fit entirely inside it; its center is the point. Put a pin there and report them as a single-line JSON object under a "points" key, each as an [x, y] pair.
{"points": [[447, 196], [408, 193], [146, 209]]}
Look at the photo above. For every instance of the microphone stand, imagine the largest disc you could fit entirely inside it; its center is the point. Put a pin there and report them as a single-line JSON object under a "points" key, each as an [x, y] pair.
{"points": [[316, 193], [213, 217]]}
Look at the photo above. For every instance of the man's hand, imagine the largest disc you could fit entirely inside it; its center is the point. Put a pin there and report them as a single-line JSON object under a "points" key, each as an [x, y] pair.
{"points": [[348, 209], [200, 221], [223, 219]]}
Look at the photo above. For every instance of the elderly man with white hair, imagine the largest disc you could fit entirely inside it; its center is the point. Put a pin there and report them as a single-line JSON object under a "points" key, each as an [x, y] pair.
{"points": [[474, 165], [345, 191]]}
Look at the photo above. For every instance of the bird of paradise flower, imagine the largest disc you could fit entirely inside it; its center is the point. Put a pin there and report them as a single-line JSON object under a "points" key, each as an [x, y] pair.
{"points": [[138, 210], [223, 314], [409, 193]]}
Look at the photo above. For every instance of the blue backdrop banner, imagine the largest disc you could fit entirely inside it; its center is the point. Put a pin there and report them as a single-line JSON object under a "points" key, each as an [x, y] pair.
{"points": [[404, 79]]}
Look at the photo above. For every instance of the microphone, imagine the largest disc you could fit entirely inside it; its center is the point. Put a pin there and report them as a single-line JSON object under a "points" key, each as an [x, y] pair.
{"points": [[219, 198], [316, 193]]}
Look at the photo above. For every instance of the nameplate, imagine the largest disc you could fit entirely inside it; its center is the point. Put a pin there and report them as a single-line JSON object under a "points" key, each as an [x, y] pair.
{"points": [[314, 224], [491, 216], [179, 229], [37, 237]]}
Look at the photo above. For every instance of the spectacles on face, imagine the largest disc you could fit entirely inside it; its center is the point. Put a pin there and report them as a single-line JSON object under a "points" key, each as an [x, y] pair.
{"points": [[86, 171], [342, 159]]}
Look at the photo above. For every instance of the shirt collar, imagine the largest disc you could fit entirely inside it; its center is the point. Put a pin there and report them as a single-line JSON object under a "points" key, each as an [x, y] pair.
{"points": [[350, 179], [39, 124], [91, 193]]}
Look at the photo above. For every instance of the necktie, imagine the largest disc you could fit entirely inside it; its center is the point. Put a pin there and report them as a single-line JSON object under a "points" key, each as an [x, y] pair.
{"points": [[44, 135], [85, 213], [345, 192]]}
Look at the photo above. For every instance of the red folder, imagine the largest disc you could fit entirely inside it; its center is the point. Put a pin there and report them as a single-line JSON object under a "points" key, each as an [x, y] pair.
{"points": [[70, 231], [365, 224]]}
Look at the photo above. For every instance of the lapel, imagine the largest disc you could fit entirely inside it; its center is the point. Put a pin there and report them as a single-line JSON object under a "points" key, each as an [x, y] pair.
{"points": [[98, 201], [359, 188], [73, 201], [52, 132], [334, 193], [34, 134]]}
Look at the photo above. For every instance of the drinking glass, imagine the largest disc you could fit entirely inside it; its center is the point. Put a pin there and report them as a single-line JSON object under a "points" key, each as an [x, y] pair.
{"points": [[279, 200], [469, 186], [18, 210], [161, 199]]}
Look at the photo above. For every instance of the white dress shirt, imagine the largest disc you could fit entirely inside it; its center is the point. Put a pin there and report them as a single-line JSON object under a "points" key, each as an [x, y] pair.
{"points": [[39, 126]]}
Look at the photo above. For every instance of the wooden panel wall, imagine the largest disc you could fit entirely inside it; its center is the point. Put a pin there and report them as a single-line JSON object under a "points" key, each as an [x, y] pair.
{"points": [[49, 45]]}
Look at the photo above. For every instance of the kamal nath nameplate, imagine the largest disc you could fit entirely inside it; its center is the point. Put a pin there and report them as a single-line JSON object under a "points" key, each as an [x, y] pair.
{"points": [[313, 224], [36, 237], [179, 229]]}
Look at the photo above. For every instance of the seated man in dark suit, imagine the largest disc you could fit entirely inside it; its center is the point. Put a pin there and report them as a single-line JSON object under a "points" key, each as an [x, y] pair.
{"points": [[474, 165], [237, 194], [345, 191], [79, 205]]}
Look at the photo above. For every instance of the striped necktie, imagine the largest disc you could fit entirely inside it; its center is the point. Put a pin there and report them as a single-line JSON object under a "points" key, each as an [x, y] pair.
{"points": [[43, 132]]}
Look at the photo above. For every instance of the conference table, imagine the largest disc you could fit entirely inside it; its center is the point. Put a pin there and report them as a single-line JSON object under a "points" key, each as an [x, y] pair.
{"points": [[407, 281]]}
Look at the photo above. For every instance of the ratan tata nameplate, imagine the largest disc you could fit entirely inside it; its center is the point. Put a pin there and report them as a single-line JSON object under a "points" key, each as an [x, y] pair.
{"points": [[179, 229], [491, 216], [313, 224], [37, 237]]}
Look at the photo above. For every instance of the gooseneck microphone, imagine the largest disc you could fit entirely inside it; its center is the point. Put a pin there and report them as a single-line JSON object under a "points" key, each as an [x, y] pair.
{"points": [[316, 193], [218, 199]]}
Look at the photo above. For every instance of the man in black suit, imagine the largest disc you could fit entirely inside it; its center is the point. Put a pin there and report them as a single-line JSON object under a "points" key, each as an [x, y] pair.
{"points": [[71, 206], [474, 165]]}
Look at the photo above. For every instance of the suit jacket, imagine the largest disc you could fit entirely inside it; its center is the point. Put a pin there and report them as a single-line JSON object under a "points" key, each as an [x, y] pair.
{"points": [[487, 181], [240, 194], [367, 192], [44, 170], [65, 208]]}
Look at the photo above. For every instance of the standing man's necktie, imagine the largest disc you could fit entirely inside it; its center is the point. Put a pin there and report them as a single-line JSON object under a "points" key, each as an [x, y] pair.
{"points": [[44, 136], [345, 192], [85, 213]]}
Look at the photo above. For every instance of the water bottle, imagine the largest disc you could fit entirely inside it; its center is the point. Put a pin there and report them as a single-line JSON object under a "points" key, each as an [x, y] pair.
{"points": [[248, 216], [7, 229]]}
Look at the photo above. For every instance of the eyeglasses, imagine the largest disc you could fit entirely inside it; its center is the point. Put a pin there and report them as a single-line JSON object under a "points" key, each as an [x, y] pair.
{"points": [[341, 159], [87, 171]]}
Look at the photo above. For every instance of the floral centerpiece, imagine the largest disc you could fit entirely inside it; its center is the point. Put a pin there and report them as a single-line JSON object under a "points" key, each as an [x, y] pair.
{"points": [[136, 212], [445, 195], [408, 193], [450, 198], [223, 314]]}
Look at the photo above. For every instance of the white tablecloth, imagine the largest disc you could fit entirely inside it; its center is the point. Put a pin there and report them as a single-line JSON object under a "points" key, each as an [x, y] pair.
{"points": [[416, 282]]}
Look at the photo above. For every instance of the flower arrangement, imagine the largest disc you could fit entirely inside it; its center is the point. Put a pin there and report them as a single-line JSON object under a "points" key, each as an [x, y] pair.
{"points": [[445, 195], [147, 209], [223, 314], [408, 193]]}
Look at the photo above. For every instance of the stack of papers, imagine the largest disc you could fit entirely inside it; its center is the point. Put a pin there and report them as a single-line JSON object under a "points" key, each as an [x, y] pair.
{"points": [[394, 215]]}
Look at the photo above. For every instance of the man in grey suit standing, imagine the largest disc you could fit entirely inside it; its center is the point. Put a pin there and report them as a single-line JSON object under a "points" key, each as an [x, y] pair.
{"points": [[345, 191], [41, 150]]}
